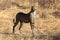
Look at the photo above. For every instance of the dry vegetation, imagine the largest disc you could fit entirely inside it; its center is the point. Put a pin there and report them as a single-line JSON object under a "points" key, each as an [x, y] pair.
{"points": [[47, 23]]}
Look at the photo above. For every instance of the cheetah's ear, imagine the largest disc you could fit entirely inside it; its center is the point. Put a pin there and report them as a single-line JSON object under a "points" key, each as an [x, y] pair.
{"points": [[33, 8]]}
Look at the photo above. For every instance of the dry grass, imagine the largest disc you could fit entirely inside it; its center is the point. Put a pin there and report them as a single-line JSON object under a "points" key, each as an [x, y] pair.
{"points": [[47, 23]]}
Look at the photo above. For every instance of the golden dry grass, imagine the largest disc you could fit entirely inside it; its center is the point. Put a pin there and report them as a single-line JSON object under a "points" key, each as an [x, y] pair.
{"points": [[46, 24]]}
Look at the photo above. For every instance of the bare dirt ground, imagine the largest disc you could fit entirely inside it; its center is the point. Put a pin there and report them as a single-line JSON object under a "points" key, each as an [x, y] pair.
{"points": [[47, 22]]}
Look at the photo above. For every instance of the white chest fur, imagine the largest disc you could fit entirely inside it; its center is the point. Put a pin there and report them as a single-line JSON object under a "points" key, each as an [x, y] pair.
{"points": [[33, 16]]}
